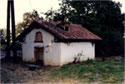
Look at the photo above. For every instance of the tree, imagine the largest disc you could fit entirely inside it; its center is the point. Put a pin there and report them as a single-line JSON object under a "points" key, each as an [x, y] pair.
{"points": [[2, 36], [28, 18], [50, 14], [103, 18], [61, 14]]}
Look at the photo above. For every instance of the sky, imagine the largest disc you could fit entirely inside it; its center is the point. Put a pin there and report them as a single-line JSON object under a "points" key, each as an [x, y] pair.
{"points": [[22, 6]]}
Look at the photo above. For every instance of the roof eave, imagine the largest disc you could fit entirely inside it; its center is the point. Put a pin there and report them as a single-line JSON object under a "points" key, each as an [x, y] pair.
{"points": [[79, 40]]}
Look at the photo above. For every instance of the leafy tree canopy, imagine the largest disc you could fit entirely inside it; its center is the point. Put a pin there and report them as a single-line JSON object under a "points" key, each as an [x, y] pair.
{"points": [[28, 17]]}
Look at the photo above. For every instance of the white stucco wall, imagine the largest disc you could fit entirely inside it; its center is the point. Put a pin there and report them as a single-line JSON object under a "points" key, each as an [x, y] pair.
{"points": [[70, 50], [51, 53], [57, 53]]}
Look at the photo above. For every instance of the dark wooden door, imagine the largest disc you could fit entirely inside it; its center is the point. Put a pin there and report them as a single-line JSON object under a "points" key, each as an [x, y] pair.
{"points": [[38, 52]]}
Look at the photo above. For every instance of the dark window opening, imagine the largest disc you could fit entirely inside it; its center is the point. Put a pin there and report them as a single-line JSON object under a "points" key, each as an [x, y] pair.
{"points": [[66, 28]]}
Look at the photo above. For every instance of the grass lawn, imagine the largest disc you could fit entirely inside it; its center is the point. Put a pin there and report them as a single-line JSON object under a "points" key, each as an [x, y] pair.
{"points": [[92, 71], [108, 71]]}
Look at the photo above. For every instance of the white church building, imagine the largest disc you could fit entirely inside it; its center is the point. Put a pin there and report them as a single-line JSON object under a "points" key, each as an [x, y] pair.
{"points": [[57, 43]]}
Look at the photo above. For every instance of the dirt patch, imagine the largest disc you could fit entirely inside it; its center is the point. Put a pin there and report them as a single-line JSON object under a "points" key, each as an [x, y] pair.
{"points": [[20, 73]]}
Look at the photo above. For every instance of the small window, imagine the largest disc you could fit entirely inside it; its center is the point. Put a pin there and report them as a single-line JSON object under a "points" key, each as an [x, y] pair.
{"points": [[38, 37], [66, 28]]}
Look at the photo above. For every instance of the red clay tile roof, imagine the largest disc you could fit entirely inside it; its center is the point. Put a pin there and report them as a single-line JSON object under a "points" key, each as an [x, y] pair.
{"points": [[76, 32]]}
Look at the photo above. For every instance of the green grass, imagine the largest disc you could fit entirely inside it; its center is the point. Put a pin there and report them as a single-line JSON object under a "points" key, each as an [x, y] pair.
{"points": [[108, 71]]}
